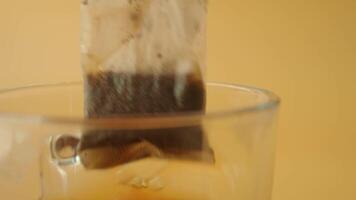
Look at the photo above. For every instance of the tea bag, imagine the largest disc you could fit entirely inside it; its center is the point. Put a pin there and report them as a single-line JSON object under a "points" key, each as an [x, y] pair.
{"points": [[143, 57]]}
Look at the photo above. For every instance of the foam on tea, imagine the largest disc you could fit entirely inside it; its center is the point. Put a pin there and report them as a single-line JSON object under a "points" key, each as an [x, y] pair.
{"points": [[143, 57]]}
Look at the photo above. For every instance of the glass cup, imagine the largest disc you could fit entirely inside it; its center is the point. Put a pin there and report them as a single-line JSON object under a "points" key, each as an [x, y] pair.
{"points": [[41, 133]]}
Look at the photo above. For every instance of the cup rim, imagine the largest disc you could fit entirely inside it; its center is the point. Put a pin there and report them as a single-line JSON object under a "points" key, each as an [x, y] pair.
{"points": [[272, 102]]}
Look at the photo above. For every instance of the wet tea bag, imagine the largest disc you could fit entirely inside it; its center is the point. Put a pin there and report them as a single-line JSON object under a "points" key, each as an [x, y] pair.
{"points": [[143, 57]]}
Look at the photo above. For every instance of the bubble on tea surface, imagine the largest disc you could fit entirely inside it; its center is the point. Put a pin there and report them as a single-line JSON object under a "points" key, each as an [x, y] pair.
{"points": [[156, 183], [142, 174]]}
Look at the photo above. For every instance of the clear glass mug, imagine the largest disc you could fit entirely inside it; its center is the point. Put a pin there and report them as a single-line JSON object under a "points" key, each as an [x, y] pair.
{"points": [[40, 128]]}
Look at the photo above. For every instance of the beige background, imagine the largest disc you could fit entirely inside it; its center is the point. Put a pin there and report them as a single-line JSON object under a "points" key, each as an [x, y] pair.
{"points": [[305, 51]]}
